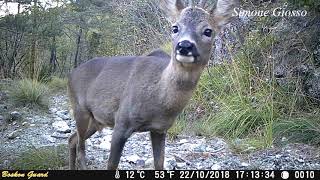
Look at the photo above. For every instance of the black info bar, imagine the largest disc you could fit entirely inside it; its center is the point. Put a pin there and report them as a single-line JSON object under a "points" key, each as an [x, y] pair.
{"points": [[163, 174]]}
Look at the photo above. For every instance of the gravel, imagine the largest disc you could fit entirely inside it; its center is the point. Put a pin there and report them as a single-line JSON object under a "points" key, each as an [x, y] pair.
{"points": [[185, 152]]}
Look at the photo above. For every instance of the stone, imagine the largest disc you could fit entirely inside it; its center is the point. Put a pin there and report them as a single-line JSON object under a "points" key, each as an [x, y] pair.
{"points": [[170, 163], [105, 145], [63, 114], [181, 165], [59, 135], [244, 164], [2, 120], [49, 138], [58, 119], [141, 163], [133, 158], [53, 110], [13, 134], [216, 167], [61, 126], [149, 163], [15, 115], [182, 141], [105, 142], [312, 85]]}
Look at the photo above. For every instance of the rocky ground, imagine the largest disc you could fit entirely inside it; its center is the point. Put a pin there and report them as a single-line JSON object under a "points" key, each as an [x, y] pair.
{"points": [[39, 129]]}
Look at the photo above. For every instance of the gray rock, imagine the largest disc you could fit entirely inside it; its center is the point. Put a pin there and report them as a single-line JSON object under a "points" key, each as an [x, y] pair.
{"points": [[312, 84], [1, 119], [244, 164], [15, 115], [64, 114], [141, 163], [105, 142], [53, 110], [170, 163], [149, 163], [60, 136], [181, 165], [216, 167], [13, 134], [133, 158], [105, 145], [61, 126], [58, 119], [200, 148], [25, 123], [5, 164], [49, 138]]}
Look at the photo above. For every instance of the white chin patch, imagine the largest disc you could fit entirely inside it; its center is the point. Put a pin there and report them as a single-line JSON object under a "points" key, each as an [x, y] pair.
{"points": [[185, 59]]}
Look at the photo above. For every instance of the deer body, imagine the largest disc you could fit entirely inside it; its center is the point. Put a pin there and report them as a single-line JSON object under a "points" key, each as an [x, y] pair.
{"points": [[139, 93]]}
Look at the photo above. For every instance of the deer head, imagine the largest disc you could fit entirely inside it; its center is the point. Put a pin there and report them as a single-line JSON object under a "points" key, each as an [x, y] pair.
{"points": [[194, 28]]}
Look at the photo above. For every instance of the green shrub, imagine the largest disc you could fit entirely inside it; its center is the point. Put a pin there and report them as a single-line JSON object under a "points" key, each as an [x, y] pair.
{"points": [[57, 84], [242, 99], [29, 92], [300, 129], [179, 126], [45, 158]]}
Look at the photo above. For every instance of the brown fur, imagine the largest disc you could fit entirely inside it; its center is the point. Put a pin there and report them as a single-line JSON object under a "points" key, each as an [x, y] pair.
{"points": [[136, 93]]}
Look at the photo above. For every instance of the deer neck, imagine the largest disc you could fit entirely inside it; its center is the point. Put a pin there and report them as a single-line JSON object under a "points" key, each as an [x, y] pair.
{"points": [[177, 84], [180, 77]]}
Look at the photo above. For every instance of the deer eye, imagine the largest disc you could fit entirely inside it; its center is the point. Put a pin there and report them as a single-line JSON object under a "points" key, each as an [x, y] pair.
{"points": [[207, 32], [175, 29]]}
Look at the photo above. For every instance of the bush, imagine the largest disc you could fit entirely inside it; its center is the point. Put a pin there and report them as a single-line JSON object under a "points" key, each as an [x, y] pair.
{"points": [[57, 84], [300, 129], [45, 158], [29, 92], [243, 100]]}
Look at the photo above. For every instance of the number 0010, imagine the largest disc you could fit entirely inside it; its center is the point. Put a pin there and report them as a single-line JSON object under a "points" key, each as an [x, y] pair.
{"points": [[304, 174]]}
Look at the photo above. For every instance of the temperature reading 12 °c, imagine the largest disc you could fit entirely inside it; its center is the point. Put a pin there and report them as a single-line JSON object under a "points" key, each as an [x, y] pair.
{"points": [[135, 174]]}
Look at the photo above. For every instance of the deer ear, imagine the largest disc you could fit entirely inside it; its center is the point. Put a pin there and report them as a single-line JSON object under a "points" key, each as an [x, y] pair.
{"points": [[222, 13], [172, 8]]}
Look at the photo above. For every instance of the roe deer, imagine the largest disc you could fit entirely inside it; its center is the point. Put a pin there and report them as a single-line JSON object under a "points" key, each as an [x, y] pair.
{"points": [[144, 93]]}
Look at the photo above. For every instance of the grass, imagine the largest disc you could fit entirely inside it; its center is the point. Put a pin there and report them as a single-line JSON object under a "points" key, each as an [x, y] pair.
{"points": [[243, 100], [45, 158], [300, 129], [29, 92], [57, 84]]}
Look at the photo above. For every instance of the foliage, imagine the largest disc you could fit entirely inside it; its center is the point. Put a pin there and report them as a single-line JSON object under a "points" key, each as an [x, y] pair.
{"points": [[57, 84], [45, 158], [243, 99], [304, 129], [311, 4], [29, 92], [58, 38]]}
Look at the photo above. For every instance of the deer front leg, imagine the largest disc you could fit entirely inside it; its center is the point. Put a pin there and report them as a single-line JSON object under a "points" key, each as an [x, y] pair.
{"points": [[158, 145], [119, 138]]}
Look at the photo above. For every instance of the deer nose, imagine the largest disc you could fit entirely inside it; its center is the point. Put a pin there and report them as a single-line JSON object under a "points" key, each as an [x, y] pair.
{"points": [[185, 48]]}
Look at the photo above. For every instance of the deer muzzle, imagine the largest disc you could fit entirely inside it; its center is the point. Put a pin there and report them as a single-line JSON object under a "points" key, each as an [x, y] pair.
{"points": [[186, 52]]}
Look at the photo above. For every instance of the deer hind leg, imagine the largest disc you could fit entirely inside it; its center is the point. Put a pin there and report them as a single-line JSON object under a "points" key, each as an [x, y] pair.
{"points": [[73, 141], [72, 151], [85, 128]]}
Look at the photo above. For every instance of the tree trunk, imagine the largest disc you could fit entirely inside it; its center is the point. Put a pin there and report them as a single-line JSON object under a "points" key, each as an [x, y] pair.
{"points": [[33, 57], [53, 56], [78, 47]]}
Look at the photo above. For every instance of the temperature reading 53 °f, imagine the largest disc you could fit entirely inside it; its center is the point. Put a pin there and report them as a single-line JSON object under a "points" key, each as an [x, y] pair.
{"points": [[133, 174], [163, 174]]}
